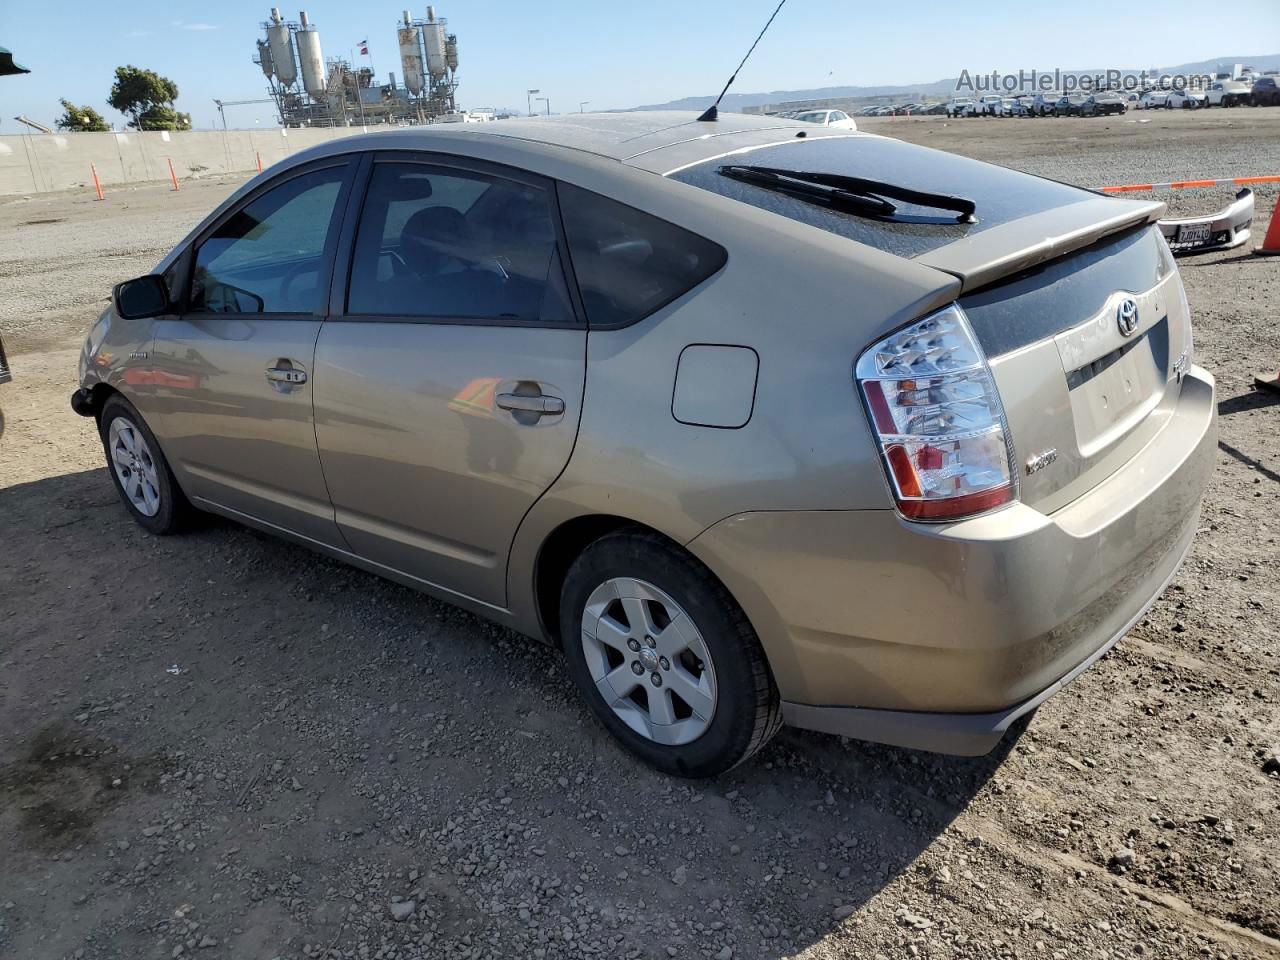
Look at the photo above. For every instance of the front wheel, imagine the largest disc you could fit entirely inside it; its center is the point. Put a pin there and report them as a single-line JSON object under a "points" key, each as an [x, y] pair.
{"points": [[665, 657], [139, 471]]}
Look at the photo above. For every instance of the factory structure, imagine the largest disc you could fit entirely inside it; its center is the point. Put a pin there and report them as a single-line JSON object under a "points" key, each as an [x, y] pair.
{"points": [[312, 91]]}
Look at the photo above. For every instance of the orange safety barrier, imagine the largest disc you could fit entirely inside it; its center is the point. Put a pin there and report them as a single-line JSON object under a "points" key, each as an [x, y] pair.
{"points": [[1186, 184], [172, 174], [97, 184]]}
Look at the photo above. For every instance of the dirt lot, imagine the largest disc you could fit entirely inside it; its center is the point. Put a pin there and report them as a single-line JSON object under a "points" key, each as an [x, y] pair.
{"points": [[224, 746]]}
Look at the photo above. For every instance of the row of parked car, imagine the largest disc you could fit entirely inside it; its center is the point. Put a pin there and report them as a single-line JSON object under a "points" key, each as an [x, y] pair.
{"points": [[1264, 91]]}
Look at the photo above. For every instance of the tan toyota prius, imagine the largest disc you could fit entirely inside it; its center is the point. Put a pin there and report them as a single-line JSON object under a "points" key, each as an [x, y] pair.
{"points": [[759, 422]]}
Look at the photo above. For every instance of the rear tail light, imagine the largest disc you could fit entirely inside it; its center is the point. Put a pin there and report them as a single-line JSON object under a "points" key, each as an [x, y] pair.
{"points": [[937, 415]]}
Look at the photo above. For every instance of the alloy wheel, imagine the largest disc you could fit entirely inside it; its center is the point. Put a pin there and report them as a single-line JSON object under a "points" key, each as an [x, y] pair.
{"points": [[648, 661], [134, 466]]}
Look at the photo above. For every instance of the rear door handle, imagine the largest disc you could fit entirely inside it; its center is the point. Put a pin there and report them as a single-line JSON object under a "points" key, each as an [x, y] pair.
{"points": [[541, 405], [286, 375]]}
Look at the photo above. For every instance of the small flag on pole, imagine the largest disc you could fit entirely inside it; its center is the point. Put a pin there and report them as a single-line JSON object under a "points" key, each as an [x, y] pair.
{"points": [[364, 48]]}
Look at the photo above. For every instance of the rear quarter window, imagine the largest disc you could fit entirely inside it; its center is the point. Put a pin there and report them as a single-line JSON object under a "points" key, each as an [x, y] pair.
{"points": [[630, 263]]}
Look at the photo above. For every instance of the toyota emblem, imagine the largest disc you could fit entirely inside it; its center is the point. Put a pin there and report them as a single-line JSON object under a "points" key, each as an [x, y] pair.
{"points": [[1127, 317]]}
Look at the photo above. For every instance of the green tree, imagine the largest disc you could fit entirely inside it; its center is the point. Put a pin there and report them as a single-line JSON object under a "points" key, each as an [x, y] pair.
{"points": [[147, 99], [163, 118], [81, 118]]}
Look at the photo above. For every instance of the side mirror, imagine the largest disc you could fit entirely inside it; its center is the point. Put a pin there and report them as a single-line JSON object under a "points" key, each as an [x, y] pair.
{"points": [[141, 297]]}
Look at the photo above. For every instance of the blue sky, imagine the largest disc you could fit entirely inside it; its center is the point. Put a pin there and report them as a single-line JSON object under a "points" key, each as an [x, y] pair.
{"points": [[613, 54]]}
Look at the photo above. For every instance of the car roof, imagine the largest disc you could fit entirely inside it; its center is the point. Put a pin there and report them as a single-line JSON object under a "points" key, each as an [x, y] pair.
{"points": [[657, 140]]}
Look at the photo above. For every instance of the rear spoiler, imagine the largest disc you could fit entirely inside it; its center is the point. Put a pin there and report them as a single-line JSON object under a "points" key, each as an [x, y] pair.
{"points": [[1022, 244]]}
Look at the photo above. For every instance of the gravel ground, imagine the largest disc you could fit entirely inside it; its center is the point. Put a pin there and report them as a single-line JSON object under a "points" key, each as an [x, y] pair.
{"points": [[222, 745]]}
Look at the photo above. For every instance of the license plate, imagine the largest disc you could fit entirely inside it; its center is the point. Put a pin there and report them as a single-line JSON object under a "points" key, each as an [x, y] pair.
{"points": [[1193, 233]]}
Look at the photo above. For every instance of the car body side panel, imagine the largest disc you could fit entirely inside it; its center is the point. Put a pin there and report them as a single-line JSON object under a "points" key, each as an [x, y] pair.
{"points": [[427, 474], [234, 437], [806, 445], [118, 353]]}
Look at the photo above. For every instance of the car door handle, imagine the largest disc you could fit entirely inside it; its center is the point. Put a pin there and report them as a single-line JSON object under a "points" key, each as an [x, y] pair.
{"points": [[541, 405], [286, 375]]}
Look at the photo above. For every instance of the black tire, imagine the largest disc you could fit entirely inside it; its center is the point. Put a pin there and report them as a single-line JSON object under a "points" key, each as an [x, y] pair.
{"points": [[747, 711], [175, 511]]}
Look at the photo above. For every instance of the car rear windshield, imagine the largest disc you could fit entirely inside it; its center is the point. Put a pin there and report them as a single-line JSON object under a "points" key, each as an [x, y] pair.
{"points": [[1001, 194]]}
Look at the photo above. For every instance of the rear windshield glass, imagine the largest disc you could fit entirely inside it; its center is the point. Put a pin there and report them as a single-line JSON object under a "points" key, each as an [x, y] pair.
{"points": [[1001, 194]]}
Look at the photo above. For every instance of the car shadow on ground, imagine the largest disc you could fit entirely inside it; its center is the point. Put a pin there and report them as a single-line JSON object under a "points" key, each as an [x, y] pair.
{"points": [[802, 835]]}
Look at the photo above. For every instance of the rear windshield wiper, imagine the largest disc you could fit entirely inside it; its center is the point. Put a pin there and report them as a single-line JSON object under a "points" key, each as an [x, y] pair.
{"points": [[853, 194]]}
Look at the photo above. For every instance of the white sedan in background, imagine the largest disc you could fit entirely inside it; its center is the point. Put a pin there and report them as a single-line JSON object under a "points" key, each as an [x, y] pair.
{"points": [[1186, 100], [1153, 99], [828, 118]]}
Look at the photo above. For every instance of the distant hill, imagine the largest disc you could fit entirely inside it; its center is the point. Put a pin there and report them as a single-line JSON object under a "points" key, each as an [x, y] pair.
{"points": [[937, 88]]}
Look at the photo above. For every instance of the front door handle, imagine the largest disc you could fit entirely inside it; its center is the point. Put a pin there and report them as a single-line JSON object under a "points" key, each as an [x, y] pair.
{"points": [[286, 375], [540, 404]]}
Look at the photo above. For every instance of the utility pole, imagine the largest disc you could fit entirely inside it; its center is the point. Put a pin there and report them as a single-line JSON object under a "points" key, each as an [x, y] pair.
{"points": [[547, 102], [529, 102], [581, 104]]}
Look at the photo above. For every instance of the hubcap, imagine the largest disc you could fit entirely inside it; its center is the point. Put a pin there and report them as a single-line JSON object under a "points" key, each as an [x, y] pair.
{"points": [[649, 661], [134, 467]]}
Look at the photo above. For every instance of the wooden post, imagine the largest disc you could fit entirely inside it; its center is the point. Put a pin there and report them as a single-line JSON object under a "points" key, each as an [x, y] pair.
{"points": [[172, 174], [97, 184]]}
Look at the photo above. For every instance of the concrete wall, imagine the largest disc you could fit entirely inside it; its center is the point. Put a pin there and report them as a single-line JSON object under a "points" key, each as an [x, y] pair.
{"points": [[41, 163]]}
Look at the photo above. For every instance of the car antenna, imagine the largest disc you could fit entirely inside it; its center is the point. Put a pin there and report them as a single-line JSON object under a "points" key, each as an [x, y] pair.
{"points": [[711, 113]]}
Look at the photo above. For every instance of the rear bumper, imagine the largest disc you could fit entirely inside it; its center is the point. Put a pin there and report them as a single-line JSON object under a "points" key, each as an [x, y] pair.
{"points": [[939, 637], [1229, 227]]}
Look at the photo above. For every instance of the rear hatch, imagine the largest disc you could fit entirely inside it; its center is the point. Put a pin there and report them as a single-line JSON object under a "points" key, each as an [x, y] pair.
{"points": [[1072, 295]]}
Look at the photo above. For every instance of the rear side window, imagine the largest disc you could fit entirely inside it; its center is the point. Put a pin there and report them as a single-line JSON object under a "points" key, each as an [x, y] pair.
{"points": [[629, 263], [443, 242]]}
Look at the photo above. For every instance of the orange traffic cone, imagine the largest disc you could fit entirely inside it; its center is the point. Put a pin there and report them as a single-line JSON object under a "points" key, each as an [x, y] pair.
{"points": [[1271, 245]]}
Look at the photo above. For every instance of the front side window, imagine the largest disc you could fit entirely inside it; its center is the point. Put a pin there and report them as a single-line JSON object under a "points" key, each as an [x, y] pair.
{"points": [[442, 242], [268, 257], [629, 263]]}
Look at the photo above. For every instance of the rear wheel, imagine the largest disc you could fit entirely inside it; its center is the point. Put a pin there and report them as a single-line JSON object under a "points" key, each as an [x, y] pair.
{"points": [[139, 471], [664, 656]]}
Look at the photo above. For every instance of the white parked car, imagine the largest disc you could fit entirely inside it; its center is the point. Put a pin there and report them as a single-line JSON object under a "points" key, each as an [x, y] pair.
{"points": [[1229, 93], [1185, 99], [960, 107], [989, 105], [828, 118], [1153, 100]]}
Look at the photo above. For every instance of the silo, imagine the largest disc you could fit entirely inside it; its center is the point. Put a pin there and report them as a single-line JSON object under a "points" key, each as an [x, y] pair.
{"points": [[451, 52], [281, 49], [264, 58], [309, 55], [410, 55], [433, 35]]}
